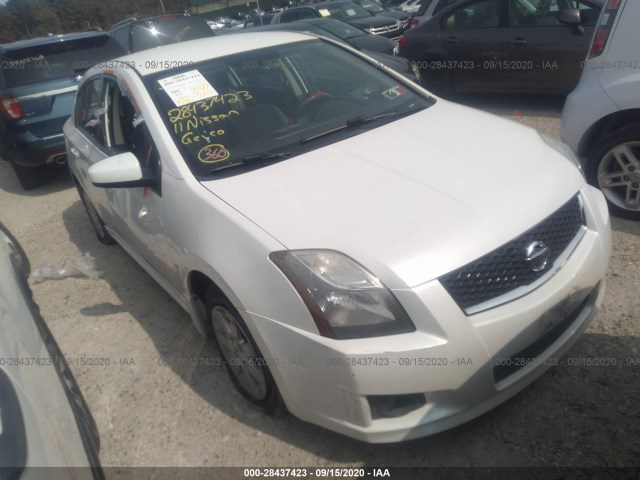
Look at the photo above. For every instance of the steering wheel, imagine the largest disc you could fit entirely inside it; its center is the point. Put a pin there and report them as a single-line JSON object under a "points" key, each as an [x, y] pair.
{"points": [[314, 98]]}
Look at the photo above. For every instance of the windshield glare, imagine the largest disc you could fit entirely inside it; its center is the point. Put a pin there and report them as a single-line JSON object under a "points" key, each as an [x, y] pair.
{"points": [[273, 100]]}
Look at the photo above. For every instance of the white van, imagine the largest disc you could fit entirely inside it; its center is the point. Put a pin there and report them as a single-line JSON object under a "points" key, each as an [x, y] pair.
{"points": [[601, 117]]}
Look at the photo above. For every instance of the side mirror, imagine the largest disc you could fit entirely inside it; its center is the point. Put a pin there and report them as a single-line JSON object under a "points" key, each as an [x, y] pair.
{"points": [[120, 171], [571, 16]]}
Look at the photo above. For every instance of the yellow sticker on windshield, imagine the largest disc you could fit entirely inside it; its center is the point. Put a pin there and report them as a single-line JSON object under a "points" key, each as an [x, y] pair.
{"points": [[187, 87]]}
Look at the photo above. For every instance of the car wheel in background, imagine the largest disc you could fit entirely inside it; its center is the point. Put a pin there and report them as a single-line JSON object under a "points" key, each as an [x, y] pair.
{"points": [[246, 365], [614, 166], [96, 221], [29, 177]]}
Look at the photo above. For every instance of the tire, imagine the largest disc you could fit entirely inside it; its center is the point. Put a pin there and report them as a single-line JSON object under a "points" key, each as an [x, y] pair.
{"points": [[96, 221], [613, 166], [436, 80], [245, 364], [29, 177]]}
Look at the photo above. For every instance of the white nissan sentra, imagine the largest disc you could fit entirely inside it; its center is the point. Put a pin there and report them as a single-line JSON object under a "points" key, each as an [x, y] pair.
{"points": [[382, 262]]}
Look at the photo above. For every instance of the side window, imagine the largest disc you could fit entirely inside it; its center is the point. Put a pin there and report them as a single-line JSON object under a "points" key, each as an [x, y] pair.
{"points": [[122, 36], [124, 127], [534, 13], [89, 111], [484, 13]]}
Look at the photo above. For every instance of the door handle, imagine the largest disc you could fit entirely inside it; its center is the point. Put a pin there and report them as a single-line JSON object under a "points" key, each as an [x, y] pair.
{"points": [[518, 41], [74, 151], [451, 40]]}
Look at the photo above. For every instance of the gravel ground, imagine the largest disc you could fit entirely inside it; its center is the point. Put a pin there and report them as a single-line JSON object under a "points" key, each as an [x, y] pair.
{"points": [[153, 411]]}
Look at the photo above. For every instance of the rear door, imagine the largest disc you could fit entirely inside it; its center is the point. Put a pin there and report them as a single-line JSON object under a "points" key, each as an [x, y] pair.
{"points": [[541, 52]]}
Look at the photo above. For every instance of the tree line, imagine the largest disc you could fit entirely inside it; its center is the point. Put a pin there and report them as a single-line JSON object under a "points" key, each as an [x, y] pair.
{"points": [[22, 19]]}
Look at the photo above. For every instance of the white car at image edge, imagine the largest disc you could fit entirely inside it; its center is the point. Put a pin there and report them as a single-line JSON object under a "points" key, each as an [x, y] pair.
{"points": [[382, 262], [601, 117]]}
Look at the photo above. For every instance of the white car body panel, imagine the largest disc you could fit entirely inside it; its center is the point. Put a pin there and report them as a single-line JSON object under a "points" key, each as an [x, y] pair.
{"points": [[429, 201], [609, 82]]}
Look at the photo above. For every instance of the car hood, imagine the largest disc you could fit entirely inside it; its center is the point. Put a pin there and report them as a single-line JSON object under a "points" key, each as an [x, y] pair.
{"points": [[374, 43], [394, 14], [413, 199]]}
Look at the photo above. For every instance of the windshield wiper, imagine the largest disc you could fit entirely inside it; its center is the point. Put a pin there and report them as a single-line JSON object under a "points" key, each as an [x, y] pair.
{"points": [[360, 120], [253, 159]]}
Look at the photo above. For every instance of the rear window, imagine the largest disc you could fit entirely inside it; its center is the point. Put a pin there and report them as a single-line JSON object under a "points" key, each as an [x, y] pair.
{"points": [[166, 30], [51, 61]]}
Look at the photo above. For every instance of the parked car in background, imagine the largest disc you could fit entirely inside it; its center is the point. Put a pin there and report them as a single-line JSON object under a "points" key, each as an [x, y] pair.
{"points": [[347, 12], [345, 285], [258, 20], [38, 81], [342, 31], [377, 9], [348, 35], [535, 46], [136, 33], [391, 3], [428, 8], [223, 22], [410, 6], [44, 419], [601, 117]]}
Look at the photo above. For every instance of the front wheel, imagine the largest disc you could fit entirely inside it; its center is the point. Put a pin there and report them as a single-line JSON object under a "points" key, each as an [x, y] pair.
{"points": [[614, 167], [247, 367]]}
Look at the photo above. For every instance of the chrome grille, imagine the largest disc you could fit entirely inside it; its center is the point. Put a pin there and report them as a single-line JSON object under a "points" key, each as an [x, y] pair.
{"points": [[505, 269]]}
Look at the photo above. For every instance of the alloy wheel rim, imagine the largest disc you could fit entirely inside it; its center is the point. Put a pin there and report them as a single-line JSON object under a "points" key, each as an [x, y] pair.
{"points": [[239, 353], [619, 176]]}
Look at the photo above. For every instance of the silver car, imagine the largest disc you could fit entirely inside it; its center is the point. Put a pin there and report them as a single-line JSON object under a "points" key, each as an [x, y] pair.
{"points": [[358, 256]]}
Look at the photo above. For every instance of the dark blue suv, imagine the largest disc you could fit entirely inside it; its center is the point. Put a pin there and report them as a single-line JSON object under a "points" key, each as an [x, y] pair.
{"points": [[38, 81]]}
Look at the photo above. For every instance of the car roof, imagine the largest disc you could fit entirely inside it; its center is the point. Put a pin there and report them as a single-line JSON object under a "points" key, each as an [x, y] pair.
{"points": [[50, 39], [318, 5], [151, 18], [194, 51]]}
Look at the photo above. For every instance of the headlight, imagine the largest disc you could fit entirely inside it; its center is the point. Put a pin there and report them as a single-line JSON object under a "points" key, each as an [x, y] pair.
{"points": [[369, 30], [565, 150], [344, 299]]}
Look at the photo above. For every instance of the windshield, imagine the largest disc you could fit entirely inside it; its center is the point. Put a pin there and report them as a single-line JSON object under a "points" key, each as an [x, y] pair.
{"points": [[169, 29], [345, 11], [340, 29], [371, 5], [281, 101], [60, 59]]}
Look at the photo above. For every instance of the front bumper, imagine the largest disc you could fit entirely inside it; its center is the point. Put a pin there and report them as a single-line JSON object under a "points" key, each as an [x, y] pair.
{"points": [[454, 367]]}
